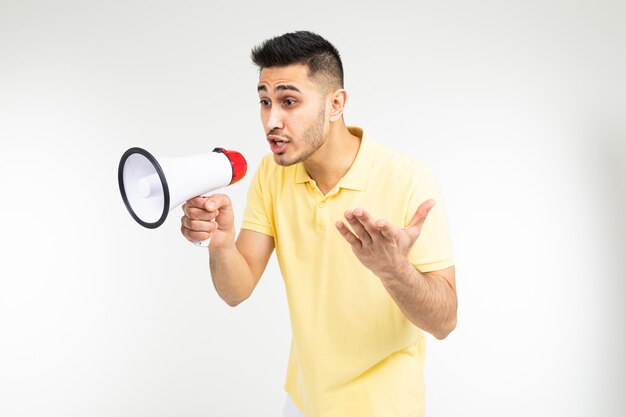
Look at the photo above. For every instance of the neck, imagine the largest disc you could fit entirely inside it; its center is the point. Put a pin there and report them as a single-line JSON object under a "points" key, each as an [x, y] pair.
{"points": [[333, 159]]}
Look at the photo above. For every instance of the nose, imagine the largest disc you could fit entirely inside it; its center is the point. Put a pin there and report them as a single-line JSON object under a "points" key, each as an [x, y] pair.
{"points": [[274, 119]]}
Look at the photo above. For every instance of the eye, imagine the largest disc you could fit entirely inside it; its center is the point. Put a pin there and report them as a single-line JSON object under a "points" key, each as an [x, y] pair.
{"points": [[289, 102], [264, 102]]}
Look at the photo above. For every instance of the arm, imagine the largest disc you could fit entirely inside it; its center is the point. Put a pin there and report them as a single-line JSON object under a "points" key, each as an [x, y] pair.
{"points": [[427, 299], [236, 269], [236, 266]]}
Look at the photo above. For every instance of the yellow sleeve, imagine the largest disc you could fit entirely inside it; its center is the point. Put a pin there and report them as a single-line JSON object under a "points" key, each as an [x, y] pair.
{"points": [[433, 249], [258, 214]]}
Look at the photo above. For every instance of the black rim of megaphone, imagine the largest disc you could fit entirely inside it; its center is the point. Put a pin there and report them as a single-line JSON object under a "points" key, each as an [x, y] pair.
{"points": [[166, 190]]}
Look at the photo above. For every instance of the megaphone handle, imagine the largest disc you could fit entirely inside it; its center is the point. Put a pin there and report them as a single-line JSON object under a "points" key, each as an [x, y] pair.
{"points": [[203, 243]]}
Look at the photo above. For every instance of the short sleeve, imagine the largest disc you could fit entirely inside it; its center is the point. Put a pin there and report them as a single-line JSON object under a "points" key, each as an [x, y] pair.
{"points": [[257, 215], [433, 249]]}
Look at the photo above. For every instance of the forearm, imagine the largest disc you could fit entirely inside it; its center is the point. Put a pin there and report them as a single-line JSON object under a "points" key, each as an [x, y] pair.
{"points": [[231, 274], [428, 301]]}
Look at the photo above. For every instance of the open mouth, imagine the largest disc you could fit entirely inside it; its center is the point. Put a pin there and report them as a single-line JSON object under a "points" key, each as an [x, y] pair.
{"points": [[277, 144]]}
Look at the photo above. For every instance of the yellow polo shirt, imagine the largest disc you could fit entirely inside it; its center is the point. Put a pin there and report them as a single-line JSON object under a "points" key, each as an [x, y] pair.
{"points": [[353, 352]]}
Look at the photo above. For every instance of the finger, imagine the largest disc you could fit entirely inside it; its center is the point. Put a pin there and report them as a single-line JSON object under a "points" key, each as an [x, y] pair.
{"points": [[200, 213], [357, 227], [348, 235], [217, 201], [420, 214], [388, 230], [198, 225], [193, 236], [368, 223], [198, 201]]}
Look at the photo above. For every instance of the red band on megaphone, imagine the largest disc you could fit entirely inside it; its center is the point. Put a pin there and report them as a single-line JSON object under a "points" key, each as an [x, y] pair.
{"points": [[237, 162]]}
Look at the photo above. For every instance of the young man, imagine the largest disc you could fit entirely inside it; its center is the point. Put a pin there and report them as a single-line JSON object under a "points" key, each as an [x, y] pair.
{"points": [[365, 271]]}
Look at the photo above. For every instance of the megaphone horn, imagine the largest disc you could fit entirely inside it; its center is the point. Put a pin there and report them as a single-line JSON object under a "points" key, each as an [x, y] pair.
{"points": [[153, 186]]}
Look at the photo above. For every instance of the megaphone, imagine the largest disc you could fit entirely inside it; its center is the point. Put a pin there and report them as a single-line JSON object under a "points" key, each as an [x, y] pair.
{"points": [[153, 186]]}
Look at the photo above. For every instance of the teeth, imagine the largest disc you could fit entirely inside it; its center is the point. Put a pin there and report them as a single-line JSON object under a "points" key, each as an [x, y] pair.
{"points": [[279, 142]]}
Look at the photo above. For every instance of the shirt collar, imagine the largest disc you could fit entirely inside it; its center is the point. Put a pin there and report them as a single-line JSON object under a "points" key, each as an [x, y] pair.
{"points": [[358, 175]]}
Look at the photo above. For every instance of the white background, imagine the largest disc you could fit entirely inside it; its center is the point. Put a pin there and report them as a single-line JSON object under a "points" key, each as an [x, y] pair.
{"points": [[518, 106]]}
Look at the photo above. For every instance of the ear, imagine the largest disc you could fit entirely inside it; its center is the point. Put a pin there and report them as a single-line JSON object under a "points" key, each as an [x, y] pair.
{"points": [[337, 104]]}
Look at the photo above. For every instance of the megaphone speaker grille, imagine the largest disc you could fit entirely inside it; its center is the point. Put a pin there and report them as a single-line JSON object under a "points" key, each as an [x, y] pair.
{"points": [[143, 187]]}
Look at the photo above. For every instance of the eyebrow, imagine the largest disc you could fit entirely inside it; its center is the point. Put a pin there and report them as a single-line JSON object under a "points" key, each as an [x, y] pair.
{"points": [[280, 87]]}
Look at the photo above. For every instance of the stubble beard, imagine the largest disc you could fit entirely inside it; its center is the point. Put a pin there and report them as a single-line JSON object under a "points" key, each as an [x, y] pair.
{"points": [[313, 137]]}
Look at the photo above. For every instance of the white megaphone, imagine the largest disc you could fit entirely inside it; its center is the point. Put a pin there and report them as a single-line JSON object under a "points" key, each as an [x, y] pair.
{"points": [[152, 186]]}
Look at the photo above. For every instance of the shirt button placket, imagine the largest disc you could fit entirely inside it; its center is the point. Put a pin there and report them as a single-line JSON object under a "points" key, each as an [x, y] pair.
{"points": [[321, 215]]}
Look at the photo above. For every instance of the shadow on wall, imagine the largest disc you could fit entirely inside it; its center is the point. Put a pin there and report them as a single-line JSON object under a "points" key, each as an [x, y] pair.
{"points": [[607, 151]]}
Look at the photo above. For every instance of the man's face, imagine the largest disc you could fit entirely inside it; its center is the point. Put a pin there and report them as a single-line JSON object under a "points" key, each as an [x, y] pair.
{"points": [[293, 112]]}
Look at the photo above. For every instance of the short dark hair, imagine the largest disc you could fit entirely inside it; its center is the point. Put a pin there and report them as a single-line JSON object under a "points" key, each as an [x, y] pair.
{"points": [[301, 47]]}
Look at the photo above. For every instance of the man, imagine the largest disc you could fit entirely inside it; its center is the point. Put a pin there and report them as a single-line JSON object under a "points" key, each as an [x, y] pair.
{"points": [[360, 290]]}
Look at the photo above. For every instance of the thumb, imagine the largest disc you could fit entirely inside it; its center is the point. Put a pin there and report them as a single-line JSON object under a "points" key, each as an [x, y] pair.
{"points": [[221, 207], [420, 215], [217, 202]]}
